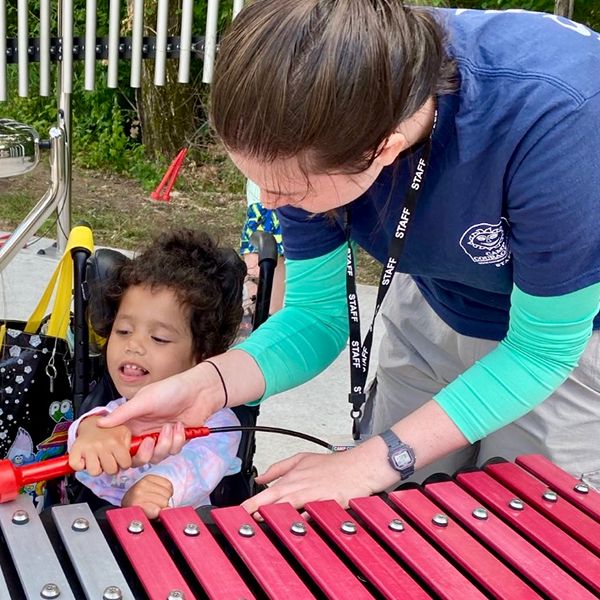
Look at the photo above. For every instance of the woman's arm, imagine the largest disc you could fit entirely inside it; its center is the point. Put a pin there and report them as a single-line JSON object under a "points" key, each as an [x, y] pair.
{"points": [[545, 340]]}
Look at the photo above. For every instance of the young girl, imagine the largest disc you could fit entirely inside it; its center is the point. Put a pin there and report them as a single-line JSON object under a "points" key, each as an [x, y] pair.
{"points": [[173, 306]]}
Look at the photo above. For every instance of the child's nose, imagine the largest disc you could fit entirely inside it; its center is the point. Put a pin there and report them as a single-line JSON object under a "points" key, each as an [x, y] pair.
{"points": [[134, 345]]}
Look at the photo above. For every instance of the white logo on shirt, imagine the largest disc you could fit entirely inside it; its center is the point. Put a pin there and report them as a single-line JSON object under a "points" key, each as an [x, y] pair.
{"points": [[487, 244]]}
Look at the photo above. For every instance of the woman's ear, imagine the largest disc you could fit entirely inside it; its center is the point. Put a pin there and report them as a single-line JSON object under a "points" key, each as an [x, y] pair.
{"points": [[391, 148]]}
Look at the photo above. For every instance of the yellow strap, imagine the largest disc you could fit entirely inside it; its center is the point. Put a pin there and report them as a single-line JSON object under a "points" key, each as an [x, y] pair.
{"points": [[2, 333], [61, 280]]}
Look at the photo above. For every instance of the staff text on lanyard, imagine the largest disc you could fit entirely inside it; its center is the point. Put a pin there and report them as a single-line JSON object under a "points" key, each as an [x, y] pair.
{"points": [[360, 352]]}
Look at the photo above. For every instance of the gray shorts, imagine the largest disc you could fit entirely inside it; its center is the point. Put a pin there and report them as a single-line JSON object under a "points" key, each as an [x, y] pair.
{"points": [[420, 354]]}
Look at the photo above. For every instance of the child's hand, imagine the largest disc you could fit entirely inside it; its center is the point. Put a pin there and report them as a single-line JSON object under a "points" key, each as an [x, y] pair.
{"points": [[99, 450], [151, 493]]}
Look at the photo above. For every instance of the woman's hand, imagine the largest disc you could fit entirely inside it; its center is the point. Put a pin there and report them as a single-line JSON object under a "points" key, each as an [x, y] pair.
{"points": [[192, 396], [151, 493], [99, 450], [306, 477], [188, 398], [170, 441], [168, 401]]}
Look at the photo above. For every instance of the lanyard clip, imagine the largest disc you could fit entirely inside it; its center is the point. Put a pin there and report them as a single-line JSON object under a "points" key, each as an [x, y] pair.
{"points": [[357, 399]]}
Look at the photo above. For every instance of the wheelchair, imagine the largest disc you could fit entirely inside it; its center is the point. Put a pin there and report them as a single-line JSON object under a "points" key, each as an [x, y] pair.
{"points": [[88, 367]]}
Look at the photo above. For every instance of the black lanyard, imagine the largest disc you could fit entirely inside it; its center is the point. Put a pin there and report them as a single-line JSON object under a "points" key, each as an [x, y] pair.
{"points": [[360, 353]]}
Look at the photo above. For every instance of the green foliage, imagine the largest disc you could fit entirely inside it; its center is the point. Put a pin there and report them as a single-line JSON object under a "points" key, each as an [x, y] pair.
{"points": [[101, 120], [537, 5]]}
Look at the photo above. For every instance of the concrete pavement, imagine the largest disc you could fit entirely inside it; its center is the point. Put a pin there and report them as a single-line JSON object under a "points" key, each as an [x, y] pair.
{"points": [[319, 407]]}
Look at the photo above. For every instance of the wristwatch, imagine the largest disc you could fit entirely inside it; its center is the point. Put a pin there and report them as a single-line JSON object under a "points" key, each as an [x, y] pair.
{"points": [[400, 455]]}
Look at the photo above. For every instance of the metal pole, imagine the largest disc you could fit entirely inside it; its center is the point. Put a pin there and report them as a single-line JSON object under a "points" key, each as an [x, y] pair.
{"points": [[22, 46], [114, 28], [187, 16], [90, 45], [162, 27], [564, 8], [43, 209], [137, 40], [210, 40], [3, 73], [237, 6], [44, 47]]}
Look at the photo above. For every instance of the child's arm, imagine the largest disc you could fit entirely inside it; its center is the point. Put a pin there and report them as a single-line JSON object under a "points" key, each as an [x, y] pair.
{"points": [[202, 463], [98, 449]]}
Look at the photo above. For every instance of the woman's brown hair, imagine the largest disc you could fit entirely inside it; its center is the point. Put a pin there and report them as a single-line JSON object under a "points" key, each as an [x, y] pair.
{"points": [[326, 81]]}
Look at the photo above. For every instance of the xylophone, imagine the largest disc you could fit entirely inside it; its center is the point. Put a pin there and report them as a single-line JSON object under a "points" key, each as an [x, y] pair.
{"points": [[510, 530]]}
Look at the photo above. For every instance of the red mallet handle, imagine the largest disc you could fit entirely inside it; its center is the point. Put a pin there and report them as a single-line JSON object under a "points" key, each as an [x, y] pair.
{"points": [[13, 478]]}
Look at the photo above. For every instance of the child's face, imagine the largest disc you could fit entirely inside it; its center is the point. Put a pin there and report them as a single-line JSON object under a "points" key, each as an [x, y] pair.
{"points": [[150, 339]]}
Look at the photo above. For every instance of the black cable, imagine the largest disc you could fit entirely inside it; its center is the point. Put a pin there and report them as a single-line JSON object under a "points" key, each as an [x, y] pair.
{"points": [[266, 429]]}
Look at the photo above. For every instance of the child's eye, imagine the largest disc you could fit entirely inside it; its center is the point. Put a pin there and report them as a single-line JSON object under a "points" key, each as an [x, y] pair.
{"points": [[160, 340], [122, 331]]}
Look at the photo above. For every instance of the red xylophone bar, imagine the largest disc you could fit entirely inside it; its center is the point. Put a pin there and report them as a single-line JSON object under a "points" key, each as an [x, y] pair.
{"points": [[13, 478]]}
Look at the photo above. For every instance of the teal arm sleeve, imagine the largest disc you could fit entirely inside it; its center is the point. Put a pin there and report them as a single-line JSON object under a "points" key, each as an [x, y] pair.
{"points": [[303, 338], [546, 338]]}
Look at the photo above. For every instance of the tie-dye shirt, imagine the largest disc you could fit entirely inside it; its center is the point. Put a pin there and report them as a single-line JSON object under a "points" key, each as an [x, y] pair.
{"points": [[194, 472]]}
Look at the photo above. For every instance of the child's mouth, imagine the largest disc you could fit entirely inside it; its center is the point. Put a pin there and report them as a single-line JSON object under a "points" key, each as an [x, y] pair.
{"points": [[132, 372]]}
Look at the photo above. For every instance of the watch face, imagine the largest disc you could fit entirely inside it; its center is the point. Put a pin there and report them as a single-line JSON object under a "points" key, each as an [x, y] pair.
{"points": [[402, 459]]}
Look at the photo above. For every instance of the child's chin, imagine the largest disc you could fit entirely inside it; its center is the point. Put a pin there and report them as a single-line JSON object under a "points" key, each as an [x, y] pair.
{"points": [[129, 391]]}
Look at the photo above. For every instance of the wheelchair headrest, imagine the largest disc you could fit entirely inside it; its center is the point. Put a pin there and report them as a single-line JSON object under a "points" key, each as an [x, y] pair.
{"points": [[105, 261], [100, 266]]}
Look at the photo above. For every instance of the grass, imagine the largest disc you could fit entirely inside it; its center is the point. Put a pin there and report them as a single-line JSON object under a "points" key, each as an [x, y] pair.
{"points": [[209, 193]]}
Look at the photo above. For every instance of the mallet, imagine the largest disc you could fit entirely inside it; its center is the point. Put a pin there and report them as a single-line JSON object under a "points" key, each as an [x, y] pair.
{"points": [[13, 478]]}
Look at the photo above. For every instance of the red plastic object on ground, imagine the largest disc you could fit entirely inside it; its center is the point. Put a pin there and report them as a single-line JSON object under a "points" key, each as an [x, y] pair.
{"points": [[163, 190]]}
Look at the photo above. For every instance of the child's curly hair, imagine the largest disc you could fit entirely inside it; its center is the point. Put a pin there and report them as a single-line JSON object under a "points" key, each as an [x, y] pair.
{"points": [[205, 278]]}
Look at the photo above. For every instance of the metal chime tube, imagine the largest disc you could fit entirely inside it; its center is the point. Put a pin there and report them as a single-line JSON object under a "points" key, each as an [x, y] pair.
{"points": [[90, 45], [114, 28], [210, 40], [237, 6], [137, 40], [185, 47], [162, 27], [45, 48], [22, 47], [3, 93], [67, 46], [63, 201]]}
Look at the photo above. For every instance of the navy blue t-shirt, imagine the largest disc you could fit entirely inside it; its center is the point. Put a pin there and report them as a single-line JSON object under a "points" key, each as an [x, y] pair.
{"points": [[512, 194]]}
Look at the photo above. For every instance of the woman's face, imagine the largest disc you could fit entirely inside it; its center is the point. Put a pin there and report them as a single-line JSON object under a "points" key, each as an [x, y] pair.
{"points": [[283, 183]]}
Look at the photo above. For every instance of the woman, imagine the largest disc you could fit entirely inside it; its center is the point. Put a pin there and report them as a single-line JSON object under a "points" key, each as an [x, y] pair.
{"points": [[462, 149]]}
